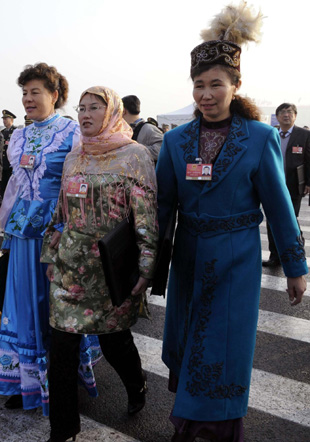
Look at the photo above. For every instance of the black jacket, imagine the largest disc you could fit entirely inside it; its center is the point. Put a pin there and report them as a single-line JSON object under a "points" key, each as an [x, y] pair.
{"points": [[7, 133], [299, 138]]}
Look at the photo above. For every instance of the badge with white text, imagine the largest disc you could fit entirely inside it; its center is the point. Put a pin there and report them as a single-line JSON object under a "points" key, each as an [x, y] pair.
{"points": [[77, 190], [27, 161], [199, 172], [297, 149]]}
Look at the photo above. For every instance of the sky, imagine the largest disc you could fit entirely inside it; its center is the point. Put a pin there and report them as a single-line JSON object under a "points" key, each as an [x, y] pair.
{"points": [[143, 48]]}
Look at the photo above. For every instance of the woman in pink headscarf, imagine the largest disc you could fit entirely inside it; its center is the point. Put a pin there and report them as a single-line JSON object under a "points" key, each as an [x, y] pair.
{"points": [[104, 179]]}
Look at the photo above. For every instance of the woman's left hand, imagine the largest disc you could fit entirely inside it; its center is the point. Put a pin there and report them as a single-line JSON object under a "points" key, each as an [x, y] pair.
{"points": [[307, 190], [54, 244], [50, 272], [141, 286], [296, 287]]}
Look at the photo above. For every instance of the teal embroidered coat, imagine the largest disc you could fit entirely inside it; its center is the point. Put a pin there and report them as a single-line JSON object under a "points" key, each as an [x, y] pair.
{"points": [[214, 286]]}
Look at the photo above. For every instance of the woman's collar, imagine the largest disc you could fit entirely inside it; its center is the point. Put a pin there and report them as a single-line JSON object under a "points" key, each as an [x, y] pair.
{"points": [[49, 119], [216, 124]]}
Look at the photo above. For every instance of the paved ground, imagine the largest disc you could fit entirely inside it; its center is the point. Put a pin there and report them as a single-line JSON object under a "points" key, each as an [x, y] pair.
{"points": [[31, 426]]}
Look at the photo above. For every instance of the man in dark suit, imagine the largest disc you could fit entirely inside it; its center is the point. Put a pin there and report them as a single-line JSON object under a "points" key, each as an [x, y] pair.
{"points": [[295, 146], [8, 120]]}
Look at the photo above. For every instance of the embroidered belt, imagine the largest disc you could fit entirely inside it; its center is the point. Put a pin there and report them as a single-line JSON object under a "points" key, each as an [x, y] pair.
{"points": [[207, 226]]}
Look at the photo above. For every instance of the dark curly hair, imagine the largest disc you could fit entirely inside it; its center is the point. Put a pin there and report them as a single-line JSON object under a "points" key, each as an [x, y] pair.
{"points": [[242, 106], [52, 79]]}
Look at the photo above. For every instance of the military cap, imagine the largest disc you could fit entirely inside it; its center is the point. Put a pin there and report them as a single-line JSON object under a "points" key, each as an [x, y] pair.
{"points": [[152, 121], [6, 113], [27, 121]]}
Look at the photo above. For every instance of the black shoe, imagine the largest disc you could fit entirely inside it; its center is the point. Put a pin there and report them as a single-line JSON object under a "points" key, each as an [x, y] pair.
{"points": [[72, 438], [14, 402], [271, 263], [136, 399], [182, 437]]}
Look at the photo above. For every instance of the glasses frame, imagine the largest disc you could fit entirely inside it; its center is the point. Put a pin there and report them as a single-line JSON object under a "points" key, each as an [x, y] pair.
{"points": [[88, 108], [286, 111]]}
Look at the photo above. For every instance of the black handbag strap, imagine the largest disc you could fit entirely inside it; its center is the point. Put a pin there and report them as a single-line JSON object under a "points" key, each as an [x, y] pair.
{"points": [[137, 129]]}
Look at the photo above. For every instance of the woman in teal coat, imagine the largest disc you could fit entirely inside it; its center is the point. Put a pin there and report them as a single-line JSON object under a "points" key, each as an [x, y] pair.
{"points": [[214, 287]]}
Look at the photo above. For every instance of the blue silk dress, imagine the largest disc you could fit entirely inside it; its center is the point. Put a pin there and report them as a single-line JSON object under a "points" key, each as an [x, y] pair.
{"points": [[25, 331]]}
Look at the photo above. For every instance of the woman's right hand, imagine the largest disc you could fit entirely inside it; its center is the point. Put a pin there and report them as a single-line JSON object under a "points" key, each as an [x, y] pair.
{"points": [[54, 244], [50, 272], [296, 287]]}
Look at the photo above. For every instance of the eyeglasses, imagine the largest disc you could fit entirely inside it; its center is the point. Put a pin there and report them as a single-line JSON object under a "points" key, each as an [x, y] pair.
{"points": [[285, 111], [91, 108]]}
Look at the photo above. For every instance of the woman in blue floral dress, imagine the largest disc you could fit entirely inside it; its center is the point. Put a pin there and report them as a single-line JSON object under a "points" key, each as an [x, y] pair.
{"points": [[36, 154]]}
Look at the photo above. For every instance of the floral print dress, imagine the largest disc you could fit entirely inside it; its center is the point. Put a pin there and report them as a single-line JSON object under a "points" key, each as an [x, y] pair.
{"points": [[124, 181]]}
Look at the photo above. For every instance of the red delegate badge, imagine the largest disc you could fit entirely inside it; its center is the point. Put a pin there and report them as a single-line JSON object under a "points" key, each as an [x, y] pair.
{"points": [[27, 161], [77, 190], [297, 149], [199, 172]]}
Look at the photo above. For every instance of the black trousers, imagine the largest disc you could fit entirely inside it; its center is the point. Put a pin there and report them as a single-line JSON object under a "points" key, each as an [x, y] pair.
{"points": [[118, 349], [4, 262], [272, 245], [6, 174]]}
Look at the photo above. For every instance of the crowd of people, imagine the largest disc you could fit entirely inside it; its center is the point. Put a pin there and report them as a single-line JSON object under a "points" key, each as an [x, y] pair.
{"points": [[67, 184]]}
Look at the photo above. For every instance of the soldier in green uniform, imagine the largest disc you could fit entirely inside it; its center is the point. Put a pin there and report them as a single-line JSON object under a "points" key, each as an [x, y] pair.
{"points": [[8, 120]]}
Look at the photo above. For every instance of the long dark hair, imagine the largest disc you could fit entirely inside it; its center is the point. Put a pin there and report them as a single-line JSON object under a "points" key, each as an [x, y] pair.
{"points": [[243, 106]]}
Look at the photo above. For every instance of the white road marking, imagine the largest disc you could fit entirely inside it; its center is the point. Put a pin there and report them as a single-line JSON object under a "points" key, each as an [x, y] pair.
{"points": [[270, 393], [284, 326]]}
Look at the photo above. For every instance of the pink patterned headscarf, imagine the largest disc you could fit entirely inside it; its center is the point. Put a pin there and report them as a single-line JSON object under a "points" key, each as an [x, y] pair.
{"points": [[115, 132]]}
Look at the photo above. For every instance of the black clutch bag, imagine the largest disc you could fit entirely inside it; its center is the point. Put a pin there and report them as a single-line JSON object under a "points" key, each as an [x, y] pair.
{"points": [[119, 256], [165, 248], [301, 179]]}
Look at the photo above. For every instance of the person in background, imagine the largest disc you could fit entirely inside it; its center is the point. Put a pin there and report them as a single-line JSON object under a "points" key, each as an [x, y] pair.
{"points": [[119, 178], [36, 154], [154, 122], [27, 121], [1, 233], [144, 132], [1, 167], [295, 148], [1, 158], [214, 286], [8, 120]]}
